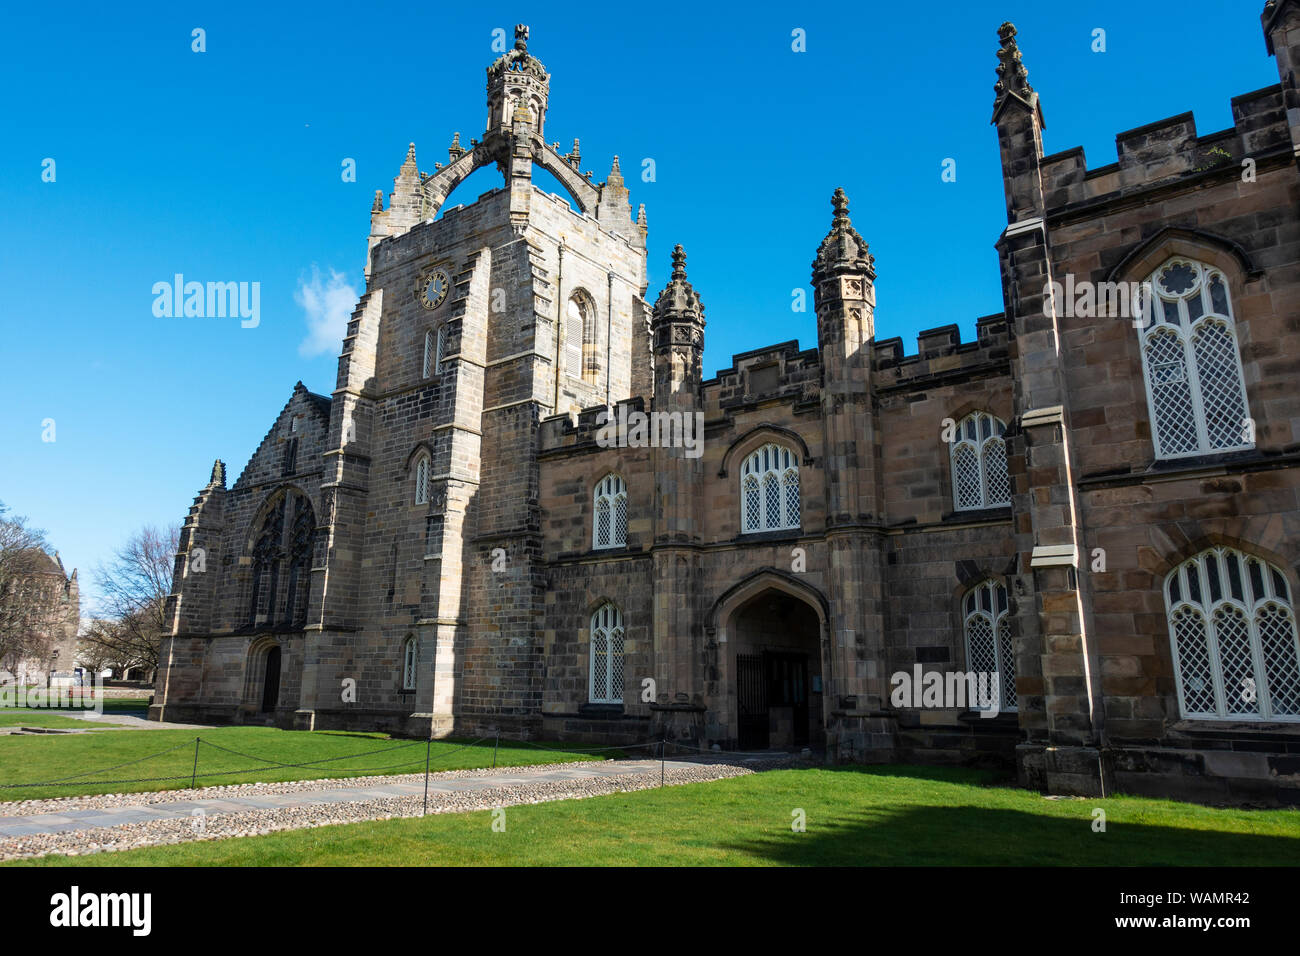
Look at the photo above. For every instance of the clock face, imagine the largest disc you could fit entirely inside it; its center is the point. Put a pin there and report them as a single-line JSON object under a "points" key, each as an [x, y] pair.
{"points": [[433, 289]]}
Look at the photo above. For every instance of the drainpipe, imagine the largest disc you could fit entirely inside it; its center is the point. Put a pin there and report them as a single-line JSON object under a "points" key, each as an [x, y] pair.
{"points": [[559, 328], [609, 332]]}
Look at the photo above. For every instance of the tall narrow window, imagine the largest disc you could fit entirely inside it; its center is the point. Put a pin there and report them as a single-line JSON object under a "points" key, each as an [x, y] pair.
{"points": [[422, 480], [410, 656], [440, 350], [1232, 631], [988, 640], [281, 563], [576, 320], [979, 463], [609, 524], [769, 490], [607, 655], [1196, 392], [430, 355]]}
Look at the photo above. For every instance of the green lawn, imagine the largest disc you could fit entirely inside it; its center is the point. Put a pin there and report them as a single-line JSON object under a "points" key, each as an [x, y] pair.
{"points": [[855, 816], [36, 759]]}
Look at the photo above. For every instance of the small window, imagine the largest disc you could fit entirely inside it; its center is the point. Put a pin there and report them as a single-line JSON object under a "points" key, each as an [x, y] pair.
{"points": [[429, 354], [422, 480], [769, 490], [978, 455], [410, 657], [609, 523]]}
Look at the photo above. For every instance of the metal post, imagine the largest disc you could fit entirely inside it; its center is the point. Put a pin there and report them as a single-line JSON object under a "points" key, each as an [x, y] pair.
{"points": [[494, 749], [194, 775], [427, 745]]}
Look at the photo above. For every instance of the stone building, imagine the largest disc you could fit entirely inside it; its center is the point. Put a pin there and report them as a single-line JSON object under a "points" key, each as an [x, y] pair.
{"points": [[524, 507], [47, 605]]}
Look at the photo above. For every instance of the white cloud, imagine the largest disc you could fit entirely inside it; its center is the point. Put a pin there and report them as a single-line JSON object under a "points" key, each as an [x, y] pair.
{"points": [[327, 305]]}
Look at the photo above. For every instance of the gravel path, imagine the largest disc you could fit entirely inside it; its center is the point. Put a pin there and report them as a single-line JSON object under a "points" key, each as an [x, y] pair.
{"points": [[94, 824]]}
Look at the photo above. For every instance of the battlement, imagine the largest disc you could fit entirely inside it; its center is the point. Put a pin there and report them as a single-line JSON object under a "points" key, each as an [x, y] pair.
{"points": [[941, 351], [569, 431], [1168, 150], [779, 371]]}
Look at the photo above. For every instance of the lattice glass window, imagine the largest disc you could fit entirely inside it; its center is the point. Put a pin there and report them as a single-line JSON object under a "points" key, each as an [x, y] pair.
{"points": [[429, 354], [422, 480], [440, 352], [607, 655], [410, 655], [979, 463], [769, 489], [1232, 631], [1191, 362], [989, 648], [609, 529]]}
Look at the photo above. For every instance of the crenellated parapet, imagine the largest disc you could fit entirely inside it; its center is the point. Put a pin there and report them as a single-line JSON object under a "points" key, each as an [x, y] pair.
{"points": [[941, 354]]}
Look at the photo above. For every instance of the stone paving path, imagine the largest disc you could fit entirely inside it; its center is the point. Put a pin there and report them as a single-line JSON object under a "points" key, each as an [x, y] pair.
{"points": [[124, 821]]}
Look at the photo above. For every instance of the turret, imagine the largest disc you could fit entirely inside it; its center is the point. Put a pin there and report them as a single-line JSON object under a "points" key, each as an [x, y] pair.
{"points": [[677, 328], [517, 77], [1281, 21]]}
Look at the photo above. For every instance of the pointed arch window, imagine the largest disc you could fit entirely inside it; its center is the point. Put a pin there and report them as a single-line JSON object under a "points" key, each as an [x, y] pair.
{"points": [[978, 452], [435, 350], [1232, 633], [769, 489], [606, 682], [1191, 363], [580, 358], [281, 563], [422, 480], [609, 525], [410, 657], [988, 639]]}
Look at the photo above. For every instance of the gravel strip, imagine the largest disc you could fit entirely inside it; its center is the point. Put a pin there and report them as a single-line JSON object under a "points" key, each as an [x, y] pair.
{"points": [[217, 825]]}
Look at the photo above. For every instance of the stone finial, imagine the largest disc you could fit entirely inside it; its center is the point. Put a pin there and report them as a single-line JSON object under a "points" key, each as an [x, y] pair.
{"points": [[615, 175], [455, 151], [378, 204], [640, 216], [843, 249], [574, 156], [521, 37], [679, 302], [218, 474], [1012, 75]]}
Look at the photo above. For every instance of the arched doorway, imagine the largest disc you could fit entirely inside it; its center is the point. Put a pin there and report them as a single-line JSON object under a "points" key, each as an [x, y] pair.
{"points": [[774, 648], [271, 682]]}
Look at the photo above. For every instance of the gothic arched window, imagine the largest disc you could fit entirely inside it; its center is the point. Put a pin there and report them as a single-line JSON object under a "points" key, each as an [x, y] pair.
{"points": [[609, 523], [979, 463], [769, 489], [580, 360], [282, 559], [1232, 631], [422, 480], [429, 353], [607, 655], [988, 639], [410, 656], [1191, 363]]}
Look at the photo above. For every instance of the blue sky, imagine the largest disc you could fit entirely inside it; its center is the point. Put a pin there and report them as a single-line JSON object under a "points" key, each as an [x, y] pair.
{"points": [[225, 166]]}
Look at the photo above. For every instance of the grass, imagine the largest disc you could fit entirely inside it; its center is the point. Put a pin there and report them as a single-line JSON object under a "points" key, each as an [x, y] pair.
{"points": [[855, 816], [34, 759]]}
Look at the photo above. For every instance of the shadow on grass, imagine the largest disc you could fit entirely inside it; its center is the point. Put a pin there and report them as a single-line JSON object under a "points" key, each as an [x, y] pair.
{"points": [[912, 835]]}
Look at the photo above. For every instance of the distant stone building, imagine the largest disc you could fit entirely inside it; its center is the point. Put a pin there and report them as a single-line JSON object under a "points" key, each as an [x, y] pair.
{"points": [[52, 607], [1094, 502]]}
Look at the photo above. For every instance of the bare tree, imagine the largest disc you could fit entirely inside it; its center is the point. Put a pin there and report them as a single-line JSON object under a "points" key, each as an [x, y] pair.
{"points": [[134, 586], [29, 605]]}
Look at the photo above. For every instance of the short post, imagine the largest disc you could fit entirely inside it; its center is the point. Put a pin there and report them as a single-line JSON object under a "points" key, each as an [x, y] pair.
{"points": [[494, 748], [428, 744], [194, 774], [662, 743]]}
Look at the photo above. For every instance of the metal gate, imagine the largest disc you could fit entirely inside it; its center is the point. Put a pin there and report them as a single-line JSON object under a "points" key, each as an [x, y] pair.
{"points": [[751, 701]]}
